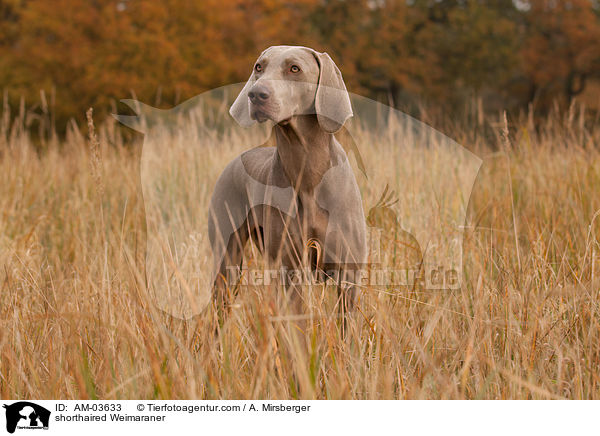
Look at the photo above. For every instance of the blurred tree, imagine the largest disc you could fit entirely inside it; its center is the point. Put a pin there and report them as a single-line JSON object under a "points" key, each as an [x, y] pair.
{"points": [[10, 14], [91, 52], [341, 29], [470, 43], [561, 50], [393, 62]]}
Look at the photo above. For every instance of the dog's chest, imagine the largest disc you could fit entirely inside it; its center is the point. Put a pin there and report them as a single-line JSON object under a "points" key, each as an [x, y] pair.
{"points": [[311, 217], [293, 231]]}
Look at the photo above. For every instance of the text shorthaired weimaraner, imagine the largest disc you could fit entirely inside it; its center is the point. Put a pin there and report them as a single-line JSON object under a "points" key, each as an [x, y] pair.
{"points": [[299, 201]]}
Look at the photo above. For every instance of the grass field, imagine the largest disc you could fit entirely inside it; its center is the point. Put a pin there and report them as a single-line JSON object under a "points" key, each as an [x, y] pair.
{"points": [[77, 319]]}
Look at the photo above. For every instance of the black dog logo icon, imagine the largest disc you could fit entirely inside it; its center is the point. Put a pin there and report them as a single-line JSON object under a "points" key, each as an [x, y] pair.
{"points": [[26, 415]]}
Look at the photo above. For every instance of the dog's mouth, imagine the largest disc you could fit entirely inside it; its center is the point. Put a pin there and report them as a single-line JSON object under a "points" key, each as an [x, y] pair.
{"points": [[262, 113], [260, 116]]}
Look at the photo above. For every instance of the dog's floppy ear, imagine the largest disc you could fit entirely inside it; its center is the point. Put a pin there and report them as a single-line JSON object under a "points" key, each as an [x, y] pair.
{"points": [[332, 102], [240, 109]]}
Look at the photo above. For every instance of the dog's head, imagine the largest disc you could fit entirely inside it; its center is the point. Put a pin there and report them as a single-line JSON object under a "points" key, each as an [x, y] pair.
{"points": [[287, 81]]}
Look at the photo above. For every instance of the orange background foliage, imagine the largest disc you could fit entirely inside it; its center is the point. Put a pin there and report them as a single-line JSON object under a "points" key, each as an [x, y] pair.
{"points": [[92, 53]]}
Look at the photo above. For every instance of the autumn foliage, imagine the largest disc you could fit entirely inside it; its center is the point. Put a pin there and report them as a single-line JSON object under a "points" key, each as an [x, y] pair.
{"points": [[92, 53]]}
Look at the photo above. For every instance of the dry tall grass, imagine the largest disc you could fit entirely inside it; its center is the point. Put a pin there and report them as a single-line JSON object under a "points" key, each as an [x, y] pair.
{"points": [[77, 320]]}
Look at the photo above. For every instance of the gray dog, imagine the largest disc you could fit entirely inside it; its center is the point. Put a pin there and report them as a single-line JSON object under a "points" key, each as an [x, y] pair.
{"points": [[299, 201]]}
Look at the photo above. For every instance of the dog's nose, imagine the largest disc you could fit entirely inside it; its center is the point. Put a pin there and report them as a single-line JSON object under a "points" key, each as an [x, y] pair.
{"points": [[259, 94]]}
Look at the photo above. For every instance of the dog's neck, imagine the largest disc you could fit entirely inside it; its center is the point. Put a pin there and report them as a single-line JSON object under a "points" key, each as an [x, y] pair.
{"points": [[304, 152]]}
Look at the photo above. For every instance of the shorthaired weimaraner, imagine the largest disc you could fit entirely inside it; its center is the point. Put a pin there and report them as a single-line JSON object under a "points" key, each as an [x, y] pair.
{"points": [[299, 200]]}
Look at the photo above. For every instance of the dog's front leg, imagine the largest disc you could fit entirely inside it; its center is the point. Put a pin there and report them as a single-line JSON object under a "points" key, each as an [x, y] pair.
{"points": [[226, 283]]}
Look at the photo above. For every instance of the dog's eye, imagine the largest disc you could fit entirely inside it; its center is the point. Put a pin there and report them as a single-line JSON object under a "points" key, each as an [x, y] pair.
{"points": [[295, 69], [258, 68]]}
